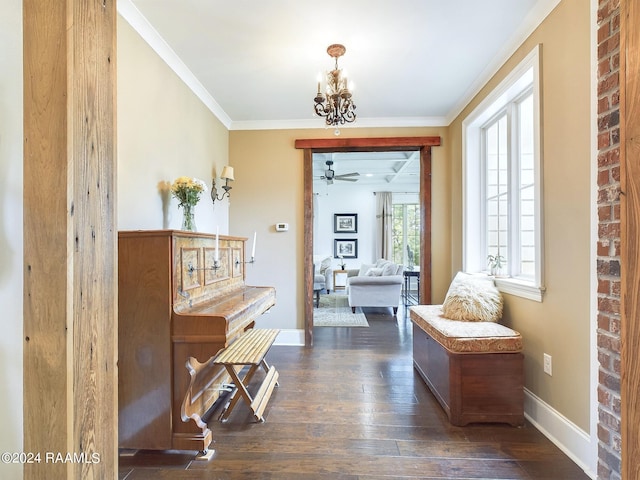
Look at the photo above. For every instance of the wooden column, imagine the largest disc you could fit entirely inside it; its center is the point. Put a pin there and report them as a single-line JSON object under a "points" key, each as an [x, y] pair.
{"points": [[70, 277], [630, 235]]}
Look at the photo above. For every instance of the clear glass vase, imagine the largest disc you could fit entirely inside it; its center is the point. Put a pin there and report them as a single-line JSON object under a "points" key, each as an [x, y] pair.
{"points": [[188, 219]]}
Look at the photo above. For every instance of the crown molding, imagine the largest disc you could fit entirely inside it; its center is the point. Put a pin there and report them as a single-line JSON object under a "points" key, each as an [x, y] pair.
{"points": [[316, 123]]}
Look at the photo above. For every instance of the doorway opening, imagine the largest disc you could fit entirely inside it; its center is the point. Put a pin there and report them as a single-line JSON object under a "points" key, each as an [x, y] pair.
{"points": [[421, 145], [345, 189]]}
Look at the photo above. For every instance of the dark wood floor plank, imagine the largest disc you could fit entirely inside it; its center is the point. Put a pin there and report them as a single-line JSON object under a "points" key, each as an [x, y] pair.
{"points": [[353, 408], [300, 446], [367, 465]]}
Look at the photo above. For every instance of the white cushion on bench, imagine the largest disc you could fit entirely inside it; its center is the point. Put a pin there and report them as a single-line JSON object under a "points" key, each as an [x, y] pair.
{"points": [[465, 337]]}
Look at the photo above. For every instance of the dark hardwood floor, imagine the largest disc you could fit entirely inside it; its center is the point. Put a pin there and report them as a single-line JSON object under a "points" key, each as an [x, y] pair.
{"points": [[353, 408]]}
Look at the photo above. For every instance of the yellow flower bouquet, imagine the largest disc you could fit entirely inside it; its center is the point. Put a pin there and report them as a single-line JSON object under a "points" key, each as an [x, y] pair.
{"points": [[188, 190]]}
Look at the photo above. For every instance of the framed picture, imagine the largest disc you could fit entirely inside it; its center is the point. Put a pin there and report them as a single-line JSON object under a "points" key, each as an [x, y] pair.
{"points": [[348, 248], [345, 223]]}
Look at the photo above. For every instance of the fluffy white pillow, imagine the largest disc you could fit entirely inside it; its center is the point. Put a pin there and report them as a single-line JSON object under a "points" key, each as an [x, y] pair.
{"points": [[364, 268], [473, 299], [389, 268], [374, 272]]}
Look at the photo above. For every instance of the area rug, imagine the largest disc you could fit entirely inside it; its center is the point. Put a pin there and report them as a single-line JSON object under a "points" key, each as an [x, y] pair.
{"points": [[334, 300], [334, 311]]}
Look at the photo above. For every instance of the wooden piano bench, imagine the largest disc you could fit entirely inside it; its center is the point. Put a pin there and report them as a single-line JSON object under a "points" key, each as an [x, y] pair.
{"points": [[474, 369], [249, 350]]}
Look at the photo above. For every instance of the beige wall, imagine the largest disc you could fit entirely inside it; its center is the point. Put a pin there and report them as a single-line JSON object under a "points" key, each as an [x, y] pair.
{"points": [[269, 189], [164, 131], [560, 325]]}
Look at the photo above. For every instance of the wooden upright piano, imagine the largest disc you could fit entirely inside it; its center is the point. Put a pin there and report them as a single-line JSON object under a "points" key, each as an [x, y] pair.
{"points": [[174, 307]]}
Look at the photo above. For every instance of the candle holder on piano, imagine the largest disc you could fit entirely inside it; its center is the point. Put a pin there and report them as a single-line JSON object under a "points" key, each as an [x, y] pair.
{"points": [[216, 266], [253, 260]]}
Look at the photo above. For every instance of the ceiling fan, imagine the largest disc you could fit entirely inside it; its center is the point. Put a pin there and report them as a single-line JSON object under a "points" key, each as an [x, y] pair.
{"points": [[330, 175]]}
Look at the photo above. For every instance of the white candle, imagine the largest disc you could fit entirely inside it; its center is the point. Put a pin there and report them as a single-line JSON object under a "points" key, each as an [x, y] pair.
{"points": [[253, 250], [217, 257]]}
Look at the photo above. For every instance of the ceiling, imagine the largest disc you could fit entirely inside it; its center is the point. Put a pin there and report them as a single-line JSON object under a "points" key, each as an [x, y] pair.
{"points": [[388, 170], [255, 63]]}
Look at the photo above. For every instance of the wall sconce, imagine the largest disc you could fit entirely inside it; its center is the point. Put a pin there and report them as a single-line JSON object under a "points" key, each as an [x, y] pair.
{"points": [[226, 175]]}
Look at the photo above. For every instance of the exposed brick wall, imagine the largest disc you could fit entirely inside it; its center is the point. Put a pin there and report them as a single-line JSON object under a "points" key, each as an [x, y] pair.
{"points": [[608, 250]]}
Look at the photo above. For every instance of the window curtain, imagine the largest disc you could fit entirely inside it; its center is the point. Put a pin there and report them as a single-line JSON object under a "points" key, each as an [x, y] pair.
{"points": [[384, 225]]}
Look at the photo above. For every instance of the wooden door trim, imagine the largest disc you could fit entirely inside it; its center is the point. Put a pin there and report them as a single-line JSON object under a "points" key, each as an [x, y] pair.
{"points": [[311, 146]]}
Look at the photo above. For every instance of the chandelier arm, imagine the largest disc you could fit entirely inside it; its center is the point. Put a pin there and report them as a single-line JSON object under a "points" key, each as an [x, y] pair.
{"points": [[320, 109], [350, 117]]}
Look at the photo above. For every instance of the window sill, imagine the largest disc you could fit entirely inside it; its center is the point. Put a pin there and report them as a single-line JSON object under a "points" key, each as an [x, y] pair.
{"points": [[519, 288]]}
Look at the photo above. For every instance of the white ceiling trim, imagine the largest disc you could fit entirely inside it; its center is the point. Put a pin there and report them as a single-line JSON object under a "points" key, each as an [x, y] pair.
{"points": [[140, 24], [319, 123]]}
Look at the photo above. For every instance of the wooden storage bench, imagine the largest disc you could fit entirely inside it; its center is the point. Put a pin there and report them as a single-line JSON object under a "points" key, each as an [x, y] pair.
{"points": [[474, 369]]}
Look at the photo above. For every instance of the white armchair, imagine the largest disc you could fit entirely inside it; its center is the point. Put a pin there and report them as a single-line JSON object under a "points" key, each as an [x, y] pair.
{"points": [[322, 266], [319, 284]]}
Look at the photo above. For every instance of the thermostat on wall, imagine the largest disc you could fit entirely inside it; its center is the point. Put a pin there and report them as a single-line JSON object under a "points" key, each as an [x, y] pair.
{"points": [[282, 227]]}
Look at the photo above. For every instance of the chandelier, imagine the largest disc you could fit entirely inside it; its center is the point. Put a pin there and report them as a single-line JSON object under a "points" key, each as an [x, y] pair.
{"points": [[336, 105]]}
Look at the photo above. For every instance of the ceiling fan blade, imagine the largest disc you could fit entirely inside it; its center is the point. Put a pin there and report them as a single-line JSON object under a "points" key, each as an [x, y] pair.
{"points": [[352, 174], [346, 179]]}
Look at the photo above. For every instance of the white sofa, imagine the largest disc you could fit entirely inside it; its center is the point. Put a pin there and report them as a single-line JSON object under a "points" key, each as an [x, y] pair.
{"points": [[377, 285]]}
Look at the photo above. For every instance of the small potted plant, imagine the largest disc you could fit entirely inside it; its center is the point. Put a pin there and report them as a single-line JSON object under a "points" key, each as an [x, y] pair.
{"points": [[496, 262]]}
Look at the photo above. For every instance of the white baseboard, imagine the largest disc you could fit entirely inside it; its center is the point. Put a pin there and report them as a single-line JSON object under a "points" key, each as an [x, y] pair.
{"points": [[290, 337], [573, 441]]}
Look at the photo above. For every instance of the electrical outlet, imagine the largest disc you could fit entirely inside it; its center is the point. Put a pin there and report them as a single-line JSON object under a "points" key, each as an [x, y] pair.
{"points": [[547, 364]]}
